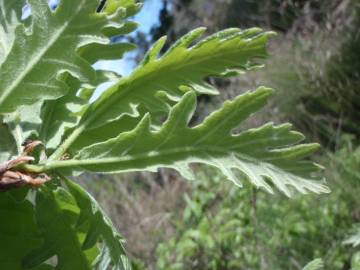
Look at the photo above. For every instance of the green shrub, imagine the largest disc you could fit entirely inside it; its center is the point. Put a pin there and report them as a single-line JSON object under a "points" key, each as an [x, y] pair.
{"points": [[223, 227]]}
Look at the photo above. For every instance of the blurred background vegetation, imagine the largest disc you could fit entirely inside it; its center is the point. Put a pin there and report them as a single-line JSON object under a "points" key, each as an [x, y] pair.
{"points": [[209, 224]]}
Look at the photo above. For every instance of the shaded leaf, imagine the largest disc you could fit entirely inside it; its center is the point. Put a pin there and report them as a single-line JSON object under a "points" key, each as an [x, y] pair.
{"points": [[59, 115], [18, 231], [7, 144], [56, 216], [99, 226], [24, 123]]}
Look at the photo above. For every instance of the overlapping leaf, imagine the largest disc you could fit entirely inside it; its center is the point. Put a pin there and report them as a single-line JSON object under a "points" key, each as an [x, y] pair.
{"points": [[182, 66], [99, 227], [57, 116], [162, 79], [263, 156], [23, 123], [39, 55], [64, 224], [56, 215], [61, 114]]}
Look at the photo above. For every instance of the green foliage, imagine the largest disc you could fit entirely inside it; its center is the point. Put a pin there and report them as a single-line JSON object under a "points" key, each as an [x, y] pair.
{"points": [[7, 146], [347, 161], [162, 81], [18, 231], [220, 221], [45, 90], [99, 224], [316, 264], [65, 223], [354, 239], [175, 145]]}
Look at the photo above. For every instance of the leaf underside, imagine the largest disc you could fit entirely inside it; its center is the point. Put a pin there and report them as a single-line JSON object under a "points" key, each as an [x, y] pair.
{"points": [[262, 155]]}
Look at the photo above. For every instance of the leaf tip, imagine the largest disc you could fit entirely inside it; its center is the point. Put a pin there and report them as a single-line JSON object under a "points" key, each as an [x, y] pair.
{"points": [[264, 91]]}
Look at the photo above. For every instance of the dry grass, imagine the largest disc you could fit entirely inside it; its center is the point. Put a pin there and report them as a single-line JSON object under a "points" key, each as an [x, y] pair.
{"points": [[141, 206]]}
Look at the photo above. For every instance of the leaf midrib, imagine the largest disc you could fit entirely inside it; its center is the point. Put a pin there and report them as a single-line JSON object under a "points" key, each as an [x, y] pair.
{"points": [[151, 154]]}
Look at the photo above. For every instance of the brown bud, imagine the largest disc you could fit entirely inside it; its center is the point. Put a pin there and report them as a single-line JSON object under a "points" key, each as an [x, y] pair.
{"points": [[30, 146]]}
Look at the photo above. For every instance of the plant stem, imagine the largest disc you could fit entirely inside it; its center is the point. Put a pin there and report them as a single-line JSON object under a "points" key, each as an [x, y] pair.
{"points": [[67, 143], [33, 168], [77, 132]]}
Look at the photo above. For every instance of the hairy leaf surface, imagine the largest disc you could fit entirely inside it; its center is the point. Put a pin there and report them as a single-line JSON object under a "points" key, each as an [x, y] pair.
{"points": [[31, 71], [10, 14], [263, 155]]}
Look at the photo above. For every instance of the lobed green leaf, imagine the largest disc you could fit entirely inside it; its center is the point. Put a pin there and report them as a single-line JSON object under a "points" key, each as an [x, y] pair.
{"points": [[161, 81], [263, 155], [99, 225]]}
